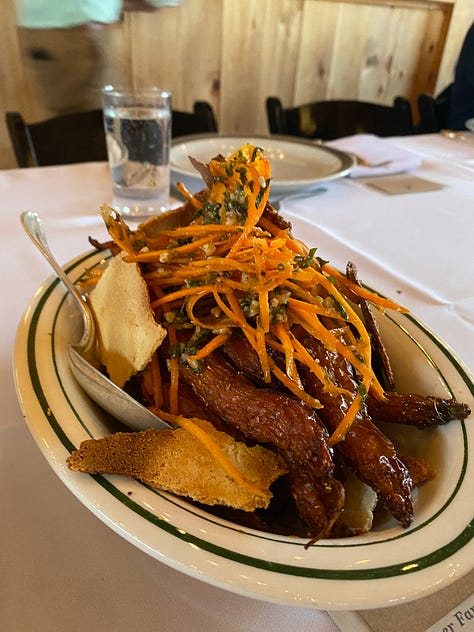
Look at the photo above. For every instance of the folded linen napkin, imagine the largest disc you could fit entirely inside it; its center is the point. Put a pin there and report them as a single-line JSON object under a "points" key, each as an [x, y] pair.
{"points": [[374, 150]]}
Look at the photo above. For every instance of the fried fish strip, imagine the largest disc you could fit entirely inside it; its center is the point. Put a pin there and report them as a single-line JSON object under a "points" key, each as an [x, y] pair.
{"points": [[416, 410], [288, 424], [380, 353], [365, 449]]}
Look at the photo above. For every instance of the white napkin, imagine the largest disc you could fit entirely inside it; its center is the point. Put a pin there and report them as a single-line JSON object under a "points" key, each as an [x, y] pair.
{"points": [[374, 150]]}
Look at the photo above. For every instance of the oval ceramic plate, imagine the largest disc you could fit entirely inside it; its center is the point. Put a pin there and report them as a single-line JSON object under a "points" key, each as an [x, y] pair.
{"points": [[387, 566], [296, 163]]}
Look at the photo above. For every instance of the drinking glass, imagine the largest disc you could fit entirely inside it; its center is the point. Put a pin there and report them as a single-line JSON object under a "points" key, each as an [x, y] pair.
{"points": [[137, 125]]}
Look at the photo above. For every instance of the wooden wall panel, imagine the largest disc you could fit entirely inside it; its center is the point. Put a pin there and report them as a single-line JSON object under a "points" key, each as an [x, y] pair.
{"points": [[434, 27], [364, 51], [349, 60], [179, 49], [236, 53], [260, 45], [14, 93], [405, 78], [319, 39]]}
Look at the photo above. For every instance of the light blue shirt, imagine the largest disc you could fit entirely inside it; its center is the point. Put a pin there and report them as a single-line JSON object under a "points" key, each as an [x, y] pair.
{"points": [[44, 14], [47, 14]]}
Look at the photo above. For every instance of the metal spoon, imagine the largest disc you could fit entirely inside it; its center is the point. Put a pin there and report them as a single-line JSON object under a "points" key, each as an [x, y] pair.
{"points": [[100, 389], [279, 201]]}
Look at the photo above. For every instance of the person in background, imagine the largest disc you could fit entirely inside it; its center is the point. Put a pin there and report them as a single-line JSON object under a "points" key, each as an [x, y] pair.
{"points": [[72, 48], [462, 95]]}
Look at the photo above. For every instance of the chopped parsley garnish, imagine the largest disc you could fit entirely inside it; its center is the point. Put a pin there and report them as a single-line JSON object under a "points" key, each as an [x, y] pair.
{"points": [[362, 392], [305, 261], [341, 310], [261, 193], [210, 212], [138, 244], [243, 175]]}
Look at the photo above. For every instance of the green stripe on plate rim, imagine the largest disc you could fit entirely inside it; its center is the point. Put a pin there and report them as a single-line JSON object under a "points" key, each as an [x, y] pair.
{"points": [[403, 568]]}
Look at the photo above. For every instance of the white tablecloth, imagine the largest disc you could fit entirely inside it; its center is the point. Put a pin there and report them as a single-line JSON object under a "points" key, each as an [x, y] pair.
{"points": [[61, 568]]}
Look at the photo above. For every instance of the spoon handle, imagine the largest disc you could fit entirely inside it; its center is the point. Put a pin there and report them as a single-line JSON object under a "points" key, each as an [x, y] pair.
{"points": [[101, 390], [33, 227]]}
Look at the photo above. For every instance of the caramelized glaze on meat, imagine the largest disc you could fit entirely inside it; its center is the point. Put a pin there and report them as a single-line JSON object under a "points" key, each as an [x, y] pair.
{"points": [[365, 449], [289, 425], [422, 411]]}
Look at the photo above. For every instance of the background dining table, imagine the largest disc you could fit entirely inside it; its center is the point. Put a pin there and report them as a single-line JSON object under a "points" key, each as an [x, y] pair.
{"points": [[64, 569]]}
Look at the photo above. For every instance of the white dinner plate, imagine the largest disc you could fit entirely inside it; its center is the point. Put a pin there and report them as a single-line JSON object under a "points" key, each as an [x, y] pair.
{"points": [[296, 163], [385, 567]]}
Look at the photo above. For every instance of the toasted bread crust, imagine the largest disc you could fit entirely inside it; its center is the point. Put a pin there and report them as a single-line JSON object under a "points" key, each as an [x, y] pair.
{"points": [[175, 461]]}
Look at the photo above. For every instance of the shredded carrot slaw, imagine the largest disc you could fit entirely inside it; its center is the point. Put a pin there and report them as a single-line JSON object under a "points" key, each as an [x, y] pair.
{"points": [[232, 269]]}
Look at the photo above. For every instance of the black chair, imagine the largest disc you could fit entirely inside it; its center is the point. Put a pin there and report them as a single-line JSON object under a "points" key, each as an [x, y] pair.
{"points": [[66, 139], [433, 111], [80, 137], [327, 120], [199, 121]]}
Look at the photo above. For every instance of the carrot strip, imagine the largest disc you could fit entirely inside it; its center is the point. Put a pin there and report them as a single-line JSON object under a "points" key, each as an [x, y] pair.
{"points": [[189, 196], [232, 311], [211, 346], [305, 357], [192, 230], [282, 333], [156, 381], [88, 282], [363, 292], [188, 291], [174, 374], [167, 253], [192, 426], [343, 428], [223, 265], [260, 347], [264, 311], [304, 314], [231, 470], [306, 296], [290, 384]]}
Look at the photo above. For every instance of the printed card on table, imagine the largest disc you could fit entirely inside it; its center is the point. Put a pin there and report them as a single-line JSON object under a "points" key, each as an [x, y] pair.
{"points": [[401, 184]]}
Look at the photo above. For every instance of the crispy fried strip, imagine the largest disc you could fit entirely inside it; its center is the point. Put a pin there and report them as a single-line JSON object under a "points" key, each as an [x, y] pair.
{"points": [[291, 426], [422, 411], [379, 349], [365, 449]]}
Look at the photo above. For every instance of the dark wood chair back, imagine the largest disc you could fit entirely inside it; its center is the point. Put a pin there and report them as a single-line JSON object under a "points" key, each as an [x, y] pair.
{"points": [[80, 137], [327, 120], [66, 139], [433, 111], [199, 121]]}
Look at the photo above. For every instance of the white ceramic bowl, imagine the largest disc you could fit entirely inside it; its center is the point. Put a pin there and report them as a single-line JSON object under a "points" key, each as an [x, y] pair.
{"points": [[387, 566]]}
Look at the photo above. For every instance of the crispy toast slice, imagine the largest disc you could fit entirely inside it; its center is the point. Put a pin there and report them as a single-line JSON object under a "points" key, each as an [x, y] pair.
{"points": [[175, 461]]}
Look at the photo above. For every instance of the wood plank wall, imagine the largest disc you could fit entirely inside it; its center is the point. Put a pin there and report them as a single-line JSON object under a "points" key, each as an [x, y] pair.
{"points": [[234, 53]]}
